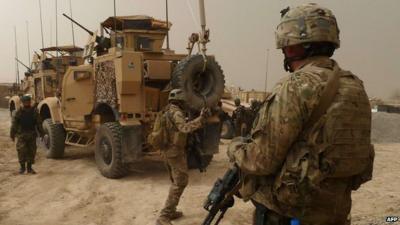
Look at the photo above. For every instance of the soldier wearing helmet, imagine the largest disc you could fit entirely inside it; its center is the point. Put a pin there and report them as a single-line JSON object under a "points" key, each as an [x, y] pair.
{"points": [[310, 145], [175, 152], [239, 118], [25, 126]]}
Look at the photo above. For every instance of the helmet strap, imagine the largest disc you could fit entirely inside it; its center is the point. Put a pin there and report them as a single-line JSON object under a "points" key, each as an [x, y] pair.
{"points": [[314, 49], [288, 61]]}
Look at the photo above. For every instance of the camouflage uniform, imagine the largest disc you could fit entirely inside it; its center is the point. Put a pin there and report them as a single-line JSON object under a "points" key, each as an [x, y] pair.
{"points": [[238, 117], [25, 125], [175, 155], [310, 145], [308, 172]]}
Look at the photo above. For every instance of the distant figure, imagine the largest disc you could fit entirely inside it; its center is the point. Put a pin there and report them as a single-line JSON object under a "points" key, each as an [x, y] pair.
{"points": [[250, 115], [239, 118], [25, 126], [175, 152], [310, 145]]}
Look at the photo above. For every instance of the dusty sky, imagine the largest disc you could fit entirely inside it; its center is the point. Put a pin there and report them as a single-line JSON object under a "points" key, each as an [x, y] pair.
{"points": [[241, 33]]}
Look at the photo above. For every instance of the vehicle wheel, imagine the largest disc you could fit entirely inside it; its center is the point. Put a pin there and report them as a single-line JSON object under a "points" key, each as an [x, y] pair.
{"points": [[108, 152], [196, 83], [227, 130], [54, 139], [12, 110], [193, 163], [12, 113]]}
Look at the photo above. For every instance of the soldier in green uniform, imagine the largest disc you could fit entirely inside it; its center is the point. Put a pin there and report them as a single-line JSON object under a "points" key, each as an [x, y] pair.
{"points": [[238, 117], [175, 152], [310, 145], [25, 126]]}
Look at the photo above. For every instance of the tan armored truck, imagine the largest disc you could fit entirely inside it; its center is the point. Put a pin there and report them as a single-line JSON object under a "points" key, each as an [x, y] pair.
{"points": [[43, 76], [113, 100]]}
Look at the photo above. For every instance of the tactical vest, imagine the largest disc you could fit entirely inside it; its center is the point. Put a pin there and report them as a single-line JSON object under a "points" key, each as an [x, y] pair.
{"points": [[337, 147], [27, 119], [176, 138]]}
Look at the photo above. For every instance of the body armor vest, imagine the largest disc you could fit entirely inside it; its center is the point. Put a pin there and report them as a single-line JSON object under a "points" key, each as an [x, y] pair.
{"points": [[27, 119]]}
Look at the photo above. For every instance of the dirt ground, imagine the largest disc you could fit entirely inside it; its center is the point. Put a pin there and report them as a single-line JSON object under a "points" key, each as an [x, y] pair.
{"points": [[71, 191]]}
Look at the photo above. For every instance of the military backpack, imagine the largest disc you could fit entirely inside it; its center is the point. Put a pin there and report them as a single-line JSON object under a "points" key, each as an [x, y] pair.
{"points": [[158, 138]]}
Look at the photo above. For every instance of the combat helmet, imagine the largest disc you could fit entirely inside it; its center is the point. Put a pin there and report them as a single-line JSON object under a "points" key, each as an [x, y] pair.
{"points": [[306, 24], [237, 102], [26, 98], [177, 95]]}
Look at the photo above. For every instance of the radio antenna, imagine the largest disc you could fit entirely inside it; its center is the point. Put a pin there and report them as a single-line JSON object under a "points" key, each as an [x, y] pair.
{"points": [[266, 72], [72, 24], [16, 56], [29, 47], [115, 17], [166, 17], [41, 22], [57, 60]]}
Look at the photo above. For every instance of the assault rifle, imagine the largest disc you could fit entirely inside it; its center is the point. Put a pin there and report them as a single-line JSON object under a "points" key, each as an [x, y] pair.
{"points": [[220, 198]]}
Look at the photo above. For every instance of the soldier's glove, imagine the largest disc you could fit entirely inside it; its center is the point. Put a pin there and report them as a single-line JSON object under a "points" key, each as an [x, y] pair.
{"points": [[235, 146], [205, 112]]}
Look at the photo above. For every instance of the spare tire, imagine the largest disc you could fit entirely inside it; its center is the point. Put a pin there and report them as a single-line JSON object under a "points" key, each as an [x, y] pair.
{"points": [[197, 83]]}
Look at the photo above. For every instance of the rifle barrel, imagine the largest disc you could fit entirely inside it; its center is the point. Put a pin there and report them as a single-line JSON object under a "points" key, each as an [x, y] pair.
{"points": [[78, 24]]}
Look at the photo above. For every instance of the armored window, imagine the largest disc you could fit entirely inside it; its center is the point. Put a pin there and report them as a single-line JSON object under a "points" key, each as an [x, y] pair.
{"points": [[119, 42], [144, 44], [48, 86]]}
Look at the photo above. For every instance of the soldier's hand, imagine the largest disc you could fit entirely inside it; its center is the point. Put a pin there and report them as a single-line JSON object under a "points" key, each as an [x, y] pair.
{"points": [[234, 147], [205, 112]]}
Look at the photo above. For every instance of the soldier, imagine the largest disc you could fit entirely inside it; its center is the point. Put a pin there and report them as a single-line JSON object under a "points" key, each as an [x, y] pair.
{"points": [[25, 125], [175, 153], [238, 117], [310, 146]]}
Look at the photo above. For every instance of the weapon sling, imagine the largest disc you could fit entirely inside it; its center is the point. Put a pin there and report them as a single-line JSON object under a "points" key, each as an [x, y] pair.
{"points": [[327, 97]]}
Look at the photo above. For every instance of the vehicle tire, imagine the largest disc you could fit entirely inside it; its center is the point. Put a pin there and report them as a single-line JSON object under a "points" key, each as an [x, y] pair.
{"points": [[12, 113], [108, 151], [54, 139], [227, 130], [196, 84], [193, 163], [12, 110]]}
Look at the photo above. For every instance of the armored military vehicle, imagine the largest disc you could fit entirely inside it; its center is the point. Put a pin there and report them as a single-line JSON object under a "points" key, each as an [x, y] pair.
{"points": [[112, 101], [42, 78]]}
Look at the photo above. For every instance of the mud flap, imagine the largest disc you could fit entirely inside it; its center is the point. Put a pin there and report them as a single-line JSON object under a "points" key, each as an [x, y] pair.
{"points": [[131, 143]]}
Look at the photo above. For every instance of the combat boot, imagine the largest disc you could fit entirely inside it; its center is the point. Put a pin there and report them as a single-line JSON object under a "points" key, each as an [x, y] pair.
{"points": [[163, 220], [22, 169], [175, 215], [30, 169]]}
